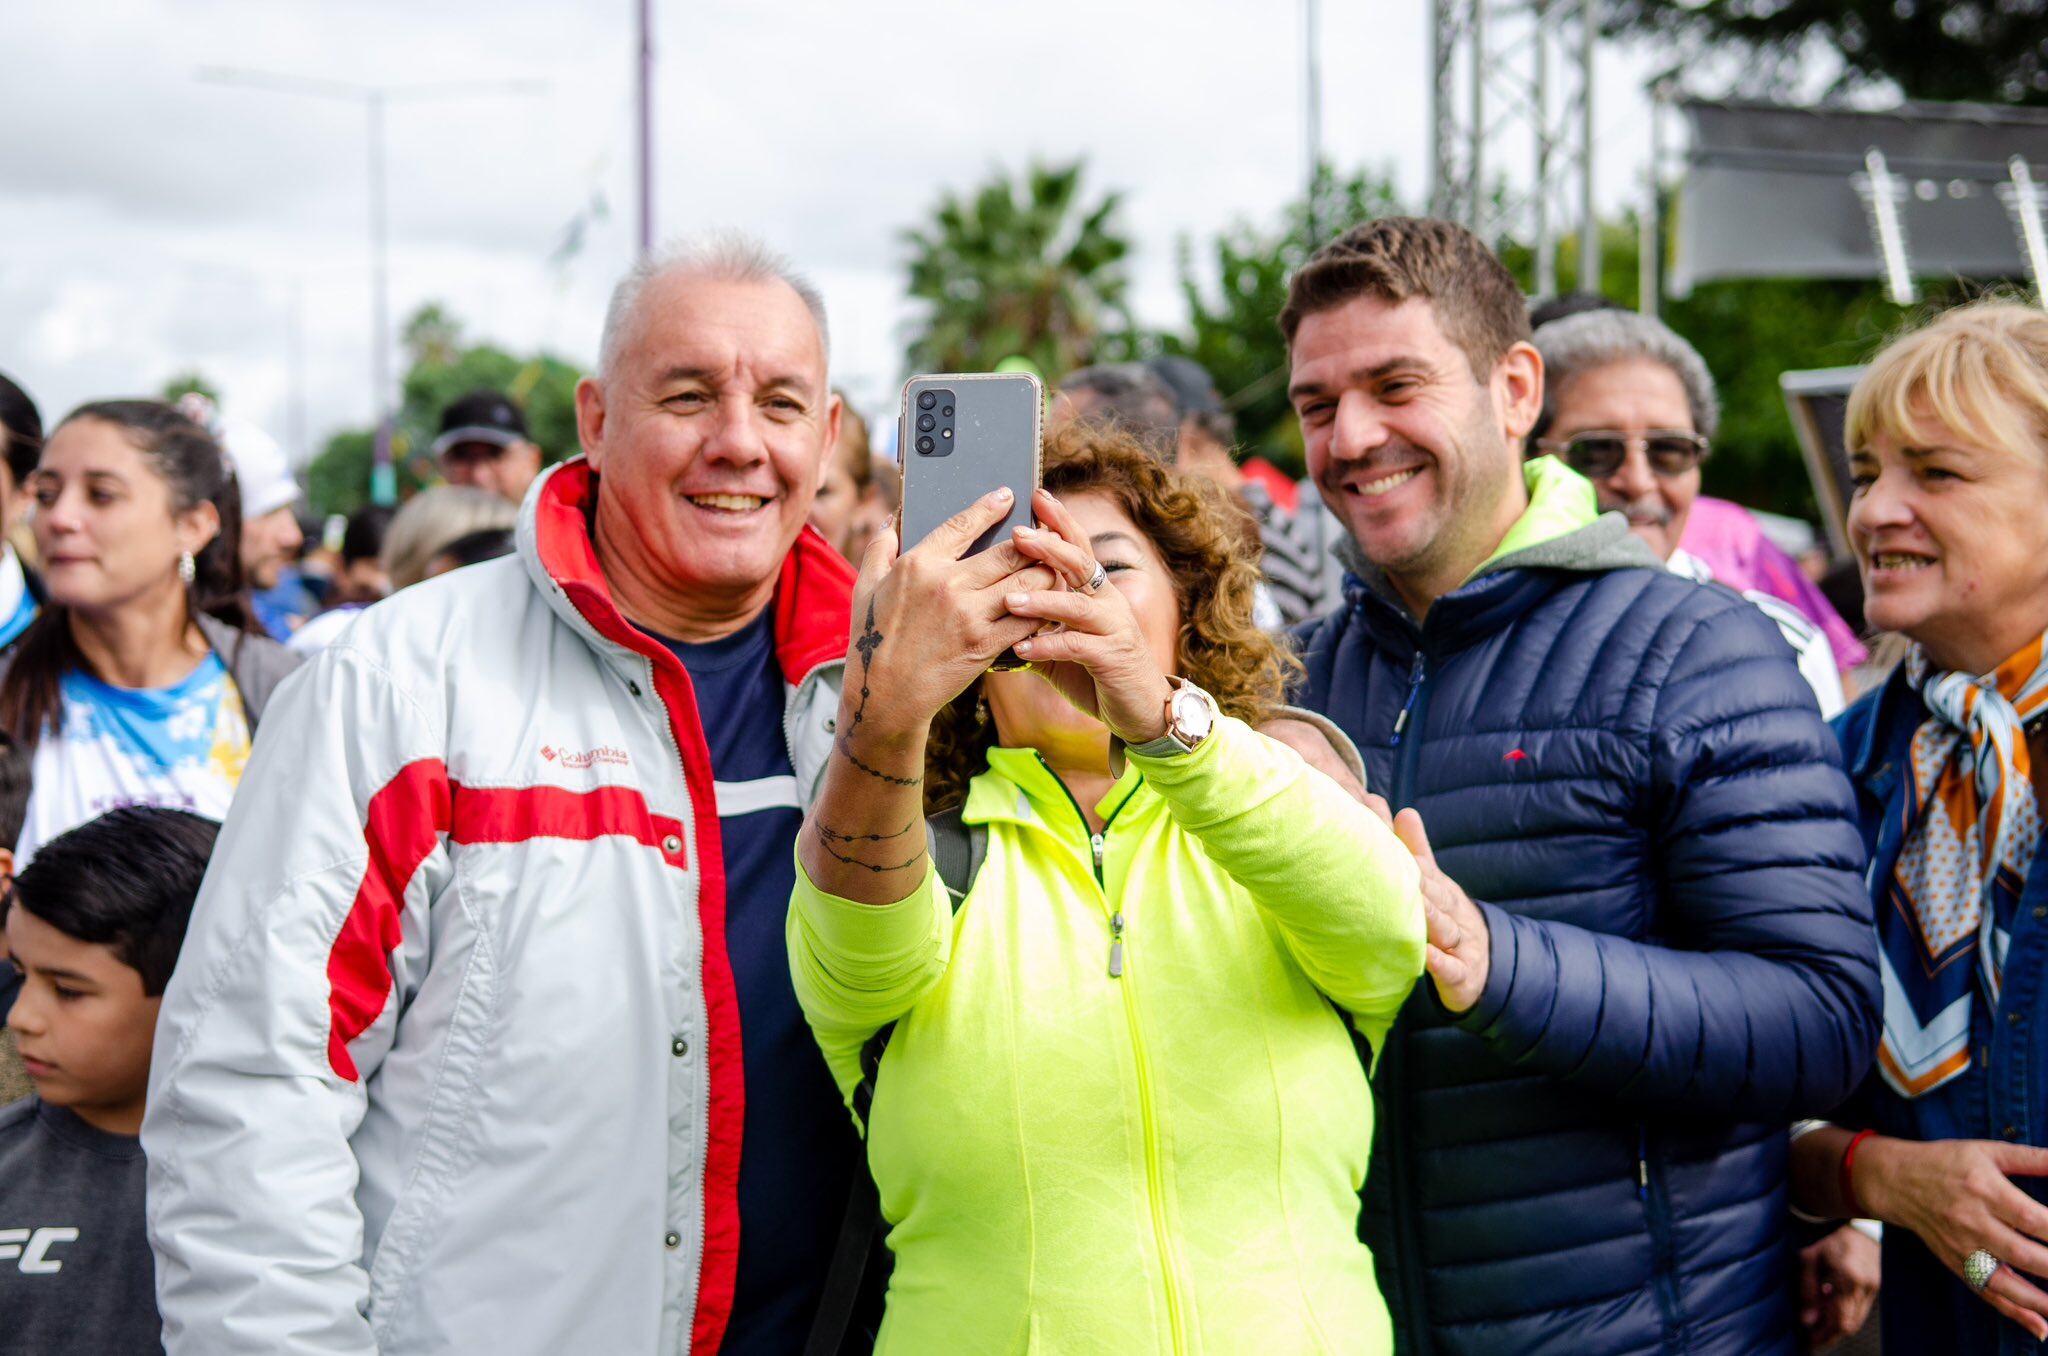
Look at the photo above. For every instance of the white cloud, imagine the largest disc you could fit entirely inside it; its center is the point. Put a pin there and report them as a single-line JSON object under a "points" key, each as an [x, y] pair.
{"points": [[157, 223]]}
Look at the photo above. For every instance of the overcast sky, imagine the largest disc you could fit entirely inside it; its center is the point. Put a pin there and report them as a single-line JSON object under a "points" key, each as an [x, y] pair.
{"points": [[155, 223]]}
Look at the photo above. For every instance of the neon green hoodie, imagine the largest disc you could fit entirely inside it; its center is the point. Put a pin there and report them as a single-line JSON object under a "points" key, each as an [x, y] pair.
{"points": [[1165, 1160]]}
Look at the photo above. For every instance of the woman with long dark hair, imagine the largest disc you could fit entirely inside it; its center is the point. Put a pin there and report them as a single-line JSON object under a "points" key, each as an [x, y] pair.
{"points": [[140, 682]]}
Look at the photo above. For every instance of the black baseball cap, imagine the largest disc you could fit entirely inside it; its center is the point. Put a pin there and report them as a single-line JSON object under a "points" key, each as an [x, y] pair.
{"points": [[481, 417], [1193, 389]]}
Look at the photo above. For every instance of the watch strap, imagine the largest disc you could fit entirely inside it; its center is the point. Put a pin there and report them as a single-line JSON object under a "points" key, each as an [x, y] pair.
{"points": [[1163, 747], [1168, 745]]}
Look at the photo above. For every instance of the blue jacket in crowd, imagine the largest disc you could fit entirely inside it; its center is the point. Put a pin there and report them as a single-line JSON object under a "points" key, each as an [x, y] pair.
{"points": [[1627, 773], [2004, 1094]]}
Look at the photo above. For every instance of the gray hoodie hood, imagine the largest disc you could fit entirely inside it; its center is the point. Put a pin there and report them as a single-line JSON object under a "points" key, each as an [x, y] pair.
{"points": [[1600, 546]]}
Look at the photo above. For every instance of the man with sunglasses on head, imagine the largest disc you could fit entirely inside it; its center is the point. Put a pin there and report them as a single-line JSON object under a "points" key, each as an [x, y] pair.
{"points": [[483, 443], [1630, 405]]}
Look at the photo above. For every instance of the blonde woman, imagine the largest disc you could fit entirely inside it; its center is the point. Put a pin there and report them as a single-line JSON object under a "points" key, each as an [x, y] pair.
{"points": [[1948, 441], [434, 518], [1119, 1108]]}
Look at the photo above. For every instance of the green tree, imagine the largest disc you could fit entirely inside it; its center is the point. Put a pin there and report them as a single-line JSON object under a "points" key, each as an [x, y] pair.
{"points": [[191, 383], [1234, 295], [1988, 50], [442, 366], [432, 336], [1749, 332], [1024, 267], [338, 480]]}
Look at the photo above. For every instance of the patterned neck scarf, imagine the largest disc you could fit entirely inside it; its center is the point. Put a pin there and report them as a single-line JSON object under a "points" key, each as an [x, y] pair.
{"points": [[1972, 827]]}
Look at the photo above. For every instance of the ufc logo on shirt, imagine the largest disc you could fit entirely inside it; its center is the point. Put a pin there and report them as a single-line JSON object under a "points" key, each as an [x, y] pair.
{"points": [[33, 1248]]}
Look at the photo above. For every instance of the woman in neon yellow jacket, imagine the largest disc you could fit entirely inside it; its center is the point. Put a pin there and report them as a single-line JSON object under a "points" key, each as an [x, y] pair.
{"points": [[1119, 1110]]}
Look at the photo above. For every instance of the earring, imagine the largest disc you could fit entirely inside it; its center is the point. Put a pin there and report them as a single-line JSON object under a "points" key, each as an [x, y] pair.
{"points": [[188, 568], [981, 709]]}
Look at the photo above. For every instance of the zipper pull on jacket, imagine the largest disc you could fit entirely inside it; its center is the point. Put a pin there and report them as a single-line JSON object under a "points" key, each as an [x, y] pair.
{"points": [[1415, 673]]}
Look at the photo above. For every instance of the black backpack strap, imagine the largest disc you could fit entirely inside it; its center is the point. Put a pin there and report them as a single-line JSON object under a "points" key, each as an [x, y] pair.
{"points": [[957, 850], [857, 1238]]}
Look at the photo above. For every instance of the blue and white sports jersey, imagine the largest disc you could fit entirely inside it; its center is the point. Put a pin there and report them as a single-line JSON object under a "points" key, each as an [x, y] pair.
{"points": [[182, 746]]}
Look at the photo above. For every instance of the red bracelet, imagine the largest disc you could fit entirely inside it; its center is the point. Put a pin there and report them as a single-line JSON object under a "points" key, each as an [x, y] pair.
{"points": [[1848, 1184]]}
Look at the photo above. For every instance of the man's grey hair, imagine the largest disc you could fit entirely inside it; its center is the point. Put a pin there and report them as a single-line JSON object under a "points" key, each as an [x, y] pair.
{"points": [[1579, 343], [728, 256]]}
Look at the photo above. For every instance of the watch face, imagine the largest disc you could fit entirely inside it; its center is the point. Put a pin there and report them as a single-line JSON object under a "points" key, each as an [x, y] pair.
{"points": [[1193, 716]]}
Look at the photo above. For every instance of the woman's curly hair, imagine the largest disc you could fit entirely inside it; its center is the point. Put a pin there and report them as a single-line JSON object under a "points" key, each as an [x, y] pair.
{"points": [[1215, 567]]}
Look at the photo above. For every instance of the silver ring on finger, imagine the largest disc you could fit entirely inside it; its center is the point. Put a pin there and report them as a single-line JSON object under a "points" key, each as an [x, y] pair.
{"points": [[1096, 579], [1978, 1269]]}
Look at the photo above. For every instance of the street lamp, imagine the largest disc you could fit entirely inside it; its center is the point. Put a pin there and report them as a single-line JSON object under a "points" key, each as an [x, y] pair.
{"points": [[373, 98], [1311, 26], [644, 111]]}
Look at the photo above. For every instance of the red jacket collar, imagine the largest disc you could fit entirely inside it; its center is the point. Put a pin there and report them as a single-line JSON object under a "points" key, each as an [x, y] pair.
{"points": [[813, 597]]}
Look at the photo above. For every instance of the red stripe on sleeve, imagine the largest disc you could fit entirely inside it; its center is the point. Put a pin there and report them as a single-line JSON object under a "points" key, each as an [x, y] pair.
{"points": [[405, 822], [514, 814]]}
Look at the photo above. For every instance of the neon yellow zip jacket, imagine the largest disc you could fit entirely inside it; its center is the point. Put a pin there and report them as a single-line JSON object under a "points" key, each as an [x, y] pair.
{"points": [[1162, 1160]]}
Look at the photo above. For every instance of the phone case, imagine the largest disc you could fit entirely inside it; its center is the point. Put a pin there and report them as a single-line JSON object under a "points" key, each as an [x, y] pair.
{"points": [[995, 440]]}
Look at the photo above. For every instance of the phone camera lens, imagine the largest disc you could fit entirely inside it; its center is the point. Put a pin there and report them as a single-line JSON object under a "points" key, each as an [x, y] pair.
{"points": [[948, 411], [925, 400], [925, 445], [925, 423]]}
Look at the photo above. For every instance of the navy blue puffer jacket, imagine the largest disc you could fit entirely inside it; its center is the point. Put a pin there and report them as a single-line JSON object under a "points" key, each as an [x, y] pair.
{"points": [[1626, 771]]}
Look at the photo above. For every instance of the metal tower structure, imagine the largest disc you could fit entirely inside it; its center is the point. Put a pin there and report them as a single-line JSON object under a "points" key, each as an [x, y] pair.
{"points": [[1511, 132]]}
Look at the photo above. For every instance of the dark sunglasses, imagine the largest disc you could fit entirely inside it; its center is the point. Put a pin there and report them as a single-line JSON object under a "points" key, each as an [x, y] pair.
{"points": [[1598, 453]]}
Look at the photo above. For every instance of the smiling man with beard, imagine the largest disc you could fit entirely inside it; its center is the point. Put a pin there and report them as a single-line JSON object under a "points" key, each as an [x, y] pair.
{"points": [[1581, 1133], [484, 1038]]}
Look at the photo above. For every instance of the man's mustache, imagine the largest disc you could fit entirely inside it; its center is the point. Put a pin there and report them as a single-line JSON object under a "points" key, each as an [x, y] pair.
{"points": [[1644, 512]]}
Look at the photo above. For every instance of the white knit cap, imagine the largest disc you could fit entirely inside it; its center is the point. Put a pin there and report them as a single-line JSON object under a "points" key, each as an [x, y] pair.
{"points": [[261, 468]]}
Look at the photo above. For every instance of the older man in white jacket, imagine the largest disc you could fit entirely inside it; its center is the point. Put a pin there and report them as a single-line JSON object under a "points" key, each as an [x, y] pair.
{"points": [[453, 1058]]}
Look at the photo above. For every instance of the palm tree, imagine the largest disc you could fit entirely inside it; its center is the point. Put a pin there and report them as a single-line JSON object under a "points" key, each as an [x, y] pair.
{"points": [[1017, 269]]}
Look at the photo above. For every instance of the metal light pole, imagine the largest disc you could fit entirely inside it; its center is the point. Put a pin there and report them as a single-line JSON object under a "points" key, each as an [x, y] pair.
{"points": [[1661, 88], [2023, 198], [1506, 69], [1311, 22], [1589, 211], [383, 475], [1475, 136], [645, 15], [373, 98], [296, 367], [1546, 249]]}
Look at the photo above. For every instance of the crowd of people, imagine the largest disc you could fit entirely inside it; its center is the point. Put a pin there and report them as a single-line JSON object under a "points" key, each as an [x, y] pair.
{"points": [[625, 905]]}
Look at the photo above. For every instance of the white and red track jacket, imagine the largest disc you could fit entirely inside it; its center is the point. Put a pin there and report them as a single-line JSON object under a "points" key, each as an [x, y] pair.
{"points": [[451, 1059]]}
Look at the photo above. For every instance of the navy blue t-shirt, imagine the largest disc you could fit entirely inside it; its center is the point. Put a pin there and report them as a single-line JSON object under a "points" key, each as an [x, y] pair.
{"points": [[798, 1149]]}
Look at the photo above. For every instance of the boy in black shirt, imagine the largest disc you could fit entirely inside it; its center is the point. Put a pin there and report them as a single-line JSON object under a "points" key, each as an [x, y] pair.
{"points": [[93, 926]]}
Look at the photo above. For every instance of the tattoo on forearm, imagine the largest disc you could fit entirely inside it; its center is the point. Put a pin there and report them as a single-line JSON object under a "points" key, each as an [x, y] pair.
{"points": [[842, 846], [870, 641], [832, 835]]}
